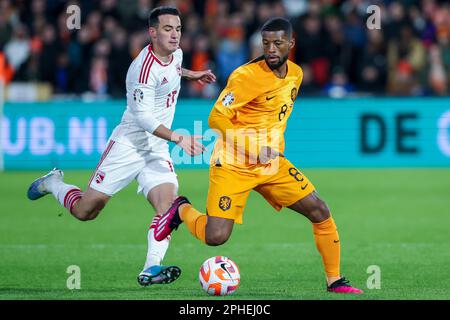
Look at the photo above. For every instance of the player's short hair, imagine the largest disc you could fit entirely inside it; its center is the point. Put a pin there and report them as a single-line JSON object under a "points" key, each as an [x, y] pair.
{"points": [[153, 18], [278, 24]]}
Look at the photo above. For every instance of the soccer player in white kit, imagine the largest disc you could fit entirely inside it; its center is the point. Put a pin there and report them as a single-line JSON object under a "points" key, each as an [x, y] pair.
{"points": [[138, 148]]}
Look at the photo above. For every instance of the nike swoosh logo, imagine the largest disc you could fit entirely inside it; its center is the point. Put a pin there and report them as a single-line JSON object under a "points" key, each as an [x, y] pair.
{"points": [[267, 98], [222, 265], [304, 187], [335, 241]]}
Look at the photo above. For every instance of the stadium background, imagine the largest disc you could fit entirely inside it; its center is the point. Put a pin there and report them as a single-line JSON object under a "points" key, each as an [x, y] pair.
{"points": [[371, 128]]}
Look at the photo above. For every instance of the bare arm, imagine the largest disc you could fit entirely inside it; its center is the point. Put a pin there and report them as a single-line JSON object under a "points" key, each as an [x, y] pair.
{"points": [[165, 133], [187, 143], [202, 77]]}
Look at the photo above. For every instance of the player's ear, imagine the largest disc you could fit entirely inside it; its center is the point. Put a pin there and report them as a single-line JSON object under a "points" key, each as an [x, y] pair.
{"points": [[291, 43], [152, 32]]}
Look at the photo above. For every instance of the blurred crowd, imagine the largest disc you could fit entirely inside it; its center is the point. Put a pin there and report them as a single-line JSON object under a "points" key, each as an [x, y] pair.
{"points": [[339, 54]]}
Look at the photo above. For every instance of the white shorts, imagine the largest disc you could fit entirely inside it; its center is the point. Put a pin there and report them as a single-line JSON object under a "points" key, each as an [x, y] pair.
{"points": [[120, 164]]}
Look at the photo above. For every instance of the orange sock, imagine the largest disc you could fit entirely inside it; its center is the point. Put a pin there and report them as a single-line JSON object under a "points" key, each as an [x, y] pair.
{"points": [[327, 242], [195, 221]]}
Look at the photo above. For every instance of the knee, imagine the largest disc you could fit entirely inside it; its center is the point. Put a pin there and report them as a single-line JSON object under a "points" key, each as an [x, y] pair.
{"points": [[320, 212], [216, 238], [83, 217], [86, 215], [89, 216]]}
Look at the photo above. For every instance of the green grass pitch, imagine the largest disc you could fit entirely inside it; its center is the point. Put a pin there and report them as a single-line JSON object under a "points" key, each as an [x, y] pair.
{"points": [[397, 219]]}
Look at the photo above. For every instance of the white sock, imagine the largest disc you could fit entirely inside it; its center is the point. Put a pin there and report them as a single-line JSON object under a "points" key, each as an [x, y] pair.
{"points": [[53, 184], [66, 194], [156, 249]]}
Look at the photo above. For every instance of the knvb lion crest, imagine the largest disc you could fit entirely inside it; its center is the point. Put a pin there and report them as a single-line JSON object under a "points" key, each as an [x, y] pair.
{"points": [[224, 203], [293, 94]]}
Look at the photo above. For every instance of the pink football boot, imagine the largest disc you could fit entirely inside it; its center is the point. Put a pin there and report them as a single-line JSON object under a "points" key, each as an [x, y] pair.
{"points": [[170, 220], [343, 286]]}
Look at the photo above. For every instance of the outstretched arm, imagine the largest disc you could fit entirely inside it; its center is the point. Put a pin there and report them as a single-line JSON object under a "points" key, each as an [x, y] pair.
{"points": [[187, 143], [202, 77], [140, 106]]}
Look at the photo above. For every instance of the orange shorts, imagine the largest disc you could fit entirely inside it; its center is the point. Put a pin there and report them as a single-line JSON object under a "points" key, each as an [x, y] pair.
{"points": [[282, 185]]}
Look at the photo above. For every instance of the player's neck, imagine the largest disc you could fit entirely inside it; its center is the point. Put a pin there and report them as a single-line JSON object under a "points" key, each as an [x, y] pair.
{"points": [[162, 55], [281, 72]]}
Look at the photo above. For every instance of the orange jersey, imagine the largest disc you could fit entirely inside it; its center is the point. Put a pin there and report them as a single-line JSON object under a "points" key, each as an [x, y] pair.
{"points": [[258, 104]]}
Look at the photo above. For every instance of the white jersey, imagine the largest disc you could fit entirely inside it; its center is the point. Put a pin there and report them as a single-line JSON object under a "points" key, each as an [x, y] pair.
{"points": [[152, 92]]}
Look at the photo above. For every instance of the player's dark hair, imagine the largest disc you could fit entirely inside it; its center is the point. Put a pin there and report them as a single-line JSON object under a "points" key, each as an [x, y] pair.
{"points": [[278, 24], [153, 18]]}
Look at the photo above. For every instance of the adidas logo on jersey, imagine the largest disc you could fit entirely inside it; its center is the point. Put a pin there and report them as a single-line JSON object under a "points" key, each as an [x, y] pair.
{"points": [[164, 81]]}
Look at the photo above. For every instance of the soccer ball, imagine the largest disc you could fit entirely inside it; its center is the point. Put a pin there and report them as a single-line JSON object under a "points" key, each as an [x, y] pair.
{"points": [[219, 276]]}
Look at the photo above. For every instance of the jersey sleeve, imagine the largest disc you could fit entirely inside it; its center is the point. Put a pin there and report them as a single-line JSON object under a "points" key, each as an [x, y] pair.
{"points": [[142, 105], [240, 90], [300, 77]]}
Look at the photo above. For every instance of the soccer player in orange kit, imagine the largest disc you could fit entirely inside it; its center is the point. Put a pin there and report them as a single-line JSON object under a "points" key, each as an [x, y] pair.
{"points": [[256, 104]]}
